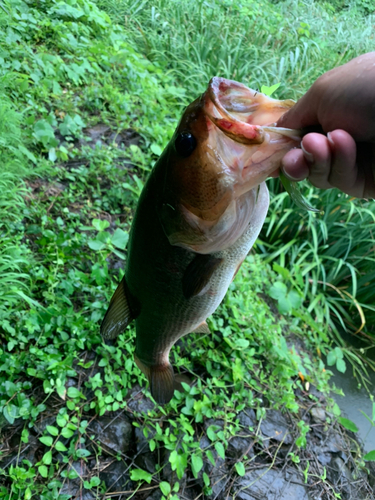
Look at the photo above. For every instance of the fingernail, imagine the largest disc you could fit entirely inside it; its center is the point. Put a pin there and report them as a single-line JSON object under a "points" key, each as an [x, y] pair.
{"points": [[330, 140], [308, 156], [291, 178]]}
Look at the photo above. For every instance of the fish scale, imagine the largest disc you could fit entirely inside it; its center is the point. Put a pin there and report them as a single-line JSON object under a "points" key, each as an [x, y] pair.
{"points": [[197, 218], [169, 320]]}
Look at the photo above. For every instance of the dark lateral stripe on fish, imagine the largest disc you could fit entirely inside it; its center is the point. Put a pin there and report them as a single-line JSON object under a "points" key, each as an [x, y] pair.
{"points": [[198, 274], [119, 313]]}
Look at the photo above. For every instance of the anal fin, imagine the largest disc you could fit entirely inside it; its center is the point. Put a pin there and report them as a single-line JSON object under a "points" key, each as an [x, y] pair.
{"points": [[198, 273], [202, 328], [119, 313]]}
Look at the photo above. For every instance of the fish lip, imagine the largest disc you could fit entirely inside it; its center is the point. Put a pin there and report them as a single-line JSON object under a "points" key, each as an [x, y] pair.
{"points": [[243, 132]]}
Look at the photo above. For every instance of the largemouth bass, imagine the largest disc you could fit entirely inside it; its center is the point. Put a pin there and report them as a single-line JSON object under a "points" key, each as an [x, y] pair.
{"points": [[197, 218]]}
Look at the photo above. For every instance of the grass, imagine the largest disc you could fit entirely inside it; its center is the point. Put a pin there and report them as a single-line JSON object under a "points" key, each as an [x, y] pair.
{"points": [[14, 282], [66, 206], [332, 256]]}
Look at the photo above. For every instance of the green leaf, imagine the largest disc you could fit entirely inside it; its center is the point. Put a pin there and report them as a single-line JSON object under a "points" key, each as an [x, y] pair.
{"points": [[100, 224], [240, 468], [206, 480], [140, 475], [47, 458], [43, 471], [282, 271], [25, 436], [10, 388], [341, 365], [96, 244], [54, 431], [336, 410], [119, 254], [331, 358], [60, 420], [156, 149], [210, 457], [70, 405], [196, 464], [47, 440], [73, 392], [165, 488], [83, 453], [95, 481], [67, 433], [284, 305], [242, 343], [44, 133], [348, 424], [211, 434], [72, 474], [278, 290], [60, 446], [370, 456], [178, 462], [220, 450], [295, 299], [120, 238], [52, 154], [269, 90], [339, 353], [7, 415]]}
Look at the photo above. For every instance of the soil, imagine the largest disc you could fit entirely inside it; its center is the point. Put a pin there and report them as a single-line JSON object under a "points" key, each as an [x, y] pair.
{"points": [[118, 446]]}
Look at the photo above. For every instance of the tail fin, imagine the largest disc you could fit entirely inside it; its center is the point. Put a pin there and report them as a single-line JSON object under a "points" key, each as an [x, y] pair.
{"points": [[161, 379]]}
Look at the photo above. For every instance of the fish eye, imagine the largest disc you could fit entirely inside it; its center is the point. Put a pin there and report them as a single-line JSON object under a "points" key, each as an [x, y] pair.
{"points": [[185, 144]]}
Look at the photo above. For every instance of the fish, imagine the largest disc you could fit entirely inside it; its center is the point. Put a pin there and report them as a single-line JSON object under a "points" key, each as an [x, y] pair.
{"points": [[198, 215]]}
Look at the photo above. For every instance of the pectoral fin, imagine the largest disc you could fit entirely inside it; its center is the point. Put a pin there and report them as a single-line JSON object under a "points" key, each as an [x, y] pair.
{"points": [[198, 274], [121, 311]]}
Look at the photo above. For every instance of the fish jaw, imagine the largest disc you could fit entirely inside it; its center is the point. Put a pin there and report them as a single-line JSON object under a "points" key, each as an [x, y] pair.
{"points": [[248, 141]]}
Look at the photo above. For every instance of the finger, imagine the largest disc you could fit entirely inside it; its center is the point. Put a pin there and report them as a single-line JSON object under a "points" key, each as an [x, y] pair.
{"points": [[294, 165], [365, 184], [344, 171], [317, 149]]}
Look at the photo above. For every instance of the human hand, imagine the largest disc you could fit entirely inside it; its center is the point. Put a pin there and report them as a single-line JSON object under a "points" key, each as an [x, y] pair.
{"points": [[342, 103]]}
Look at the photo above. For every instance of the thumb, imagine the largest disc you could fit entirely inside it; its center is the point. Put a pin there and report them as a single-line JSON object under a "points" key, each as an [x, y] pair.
{"points": [[302, 114]]}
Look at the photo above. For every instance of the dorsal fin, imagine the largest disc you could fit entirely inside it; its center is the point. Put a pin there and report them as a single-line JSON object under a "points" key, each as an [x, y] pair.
{"points": [[121, 311], [198, 274]]}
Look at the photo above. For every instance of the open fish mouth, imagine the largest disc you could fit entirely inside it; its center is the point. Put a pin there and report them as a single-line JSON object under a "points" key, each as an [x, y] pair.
{"points": [[245, 115]]}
